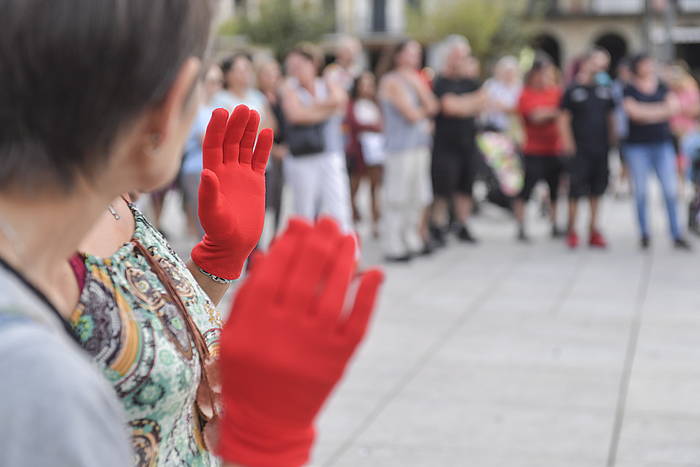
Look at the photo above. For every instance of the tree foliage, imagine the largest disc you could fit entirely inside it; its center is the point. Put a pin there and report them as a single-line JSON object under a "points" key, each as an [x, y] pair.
{"points": [[493, 27], [280, 25]]}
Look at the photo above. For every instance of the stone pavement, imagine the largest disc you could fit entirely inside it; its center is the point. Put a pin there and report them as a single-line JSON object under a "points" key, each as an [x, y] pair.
{"points": [[505, 355]]}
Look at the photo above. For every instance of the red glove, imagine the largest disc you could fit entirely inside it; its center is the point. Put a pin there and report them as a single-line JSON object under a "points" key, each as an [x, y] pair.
{"points": [[293, 327], [231, 191]]}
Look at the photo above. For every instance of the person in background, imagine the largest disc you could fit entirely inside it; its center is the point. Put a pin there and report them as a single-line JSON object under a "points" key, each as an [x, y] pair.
{"points": [[313, 110], [407, 104], [685, 128], [650, 107], [600, 63], [269, 83], [347, 65], [503, 91], [624, 76], [455, 158], [586, 125], [191, 169], [239, 88], [538, 107], [365, 148]]}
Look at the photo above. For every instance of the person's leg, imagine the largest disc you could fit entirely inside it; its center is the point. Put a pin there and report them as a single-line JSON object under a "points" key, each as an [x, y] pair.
{"points": [[303, 176], [276, 189], [393, 244], [554, 169], [578, 186], [599, 178], [375, 182], [531, 165], [443, 179], [463, 197], [663, 159], [355, 179], [419, 197], [639, 165], [594, 202], [335, 190]]}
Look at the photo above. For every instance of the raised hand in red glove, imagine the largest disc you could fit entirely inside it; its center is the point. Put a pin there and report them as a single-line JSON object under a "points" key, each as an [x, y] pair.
{"points": [[231, 191], [295, 323]]}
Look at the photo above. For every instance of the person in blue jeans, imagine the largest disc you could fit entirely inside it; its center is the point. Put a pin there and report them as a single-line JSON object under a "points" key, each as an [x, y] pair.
{"points": [[648, 147]]}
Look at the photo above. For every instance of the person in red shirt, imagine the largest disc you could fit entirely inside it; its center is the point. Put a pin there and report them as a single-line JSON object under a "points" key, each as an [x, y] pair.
{"points": [[539, 108]]}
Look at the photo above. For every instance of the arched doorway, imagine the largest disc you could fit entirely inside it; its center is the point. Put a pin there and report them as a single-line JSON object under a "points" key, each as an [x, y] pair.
{"points": [[616, 45], [548, 44]]}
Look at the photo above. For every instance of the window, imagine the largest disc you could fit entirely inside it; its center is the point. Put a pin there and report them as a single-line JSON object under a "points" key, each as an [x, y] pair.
{"points": [[378, 15]]}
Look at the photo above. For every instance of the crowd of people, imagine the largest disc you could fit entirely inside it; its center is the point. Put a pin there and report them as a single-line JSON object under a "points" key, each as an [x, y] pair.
{"points": [[422, 139]]}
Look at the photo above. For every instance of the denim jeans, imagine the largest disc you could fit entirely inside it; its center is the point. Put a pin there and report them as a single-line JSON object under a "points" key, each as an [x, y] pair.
{"points": [[641, 159], [690, 145]]}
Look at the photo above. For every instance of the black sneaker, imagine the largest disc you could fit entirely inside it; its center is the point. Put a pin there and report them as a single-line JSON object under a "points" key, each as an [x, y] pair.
{"points": [[428, 248], [557, 232], [438, 236], [681, 244], [522, 236], [464, 235], [645, 242], [398, 259]]}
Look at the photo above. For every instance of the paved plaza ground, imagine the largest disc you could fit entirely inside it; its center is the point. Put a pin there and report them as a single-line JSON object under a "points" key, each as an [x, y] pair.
{"points": [[506, 355]]}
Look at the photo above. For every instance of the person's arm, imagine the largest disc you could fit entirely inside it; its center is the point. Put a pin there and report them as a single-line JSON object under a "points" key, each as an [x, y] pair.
{"points": [[396, 93], [533, 113], [427, 98], [646, 112], [465, 105], [298, 114], [214, 290], [567, 136], [542, 115]]}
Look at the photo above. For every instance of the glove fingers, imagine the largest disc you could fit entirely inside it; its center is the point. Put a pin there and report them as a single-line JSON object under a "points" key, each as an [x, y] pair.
{"points": [[364, 301], [330, 305], [212, 146], [248, 139], [262, 149], [234, 132], [317, 250]]}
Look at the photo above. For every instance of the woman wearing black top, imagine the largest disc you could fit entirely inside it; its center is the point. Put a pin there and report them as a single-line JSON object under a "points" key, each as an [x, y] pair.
{"points": [[649, 106]]}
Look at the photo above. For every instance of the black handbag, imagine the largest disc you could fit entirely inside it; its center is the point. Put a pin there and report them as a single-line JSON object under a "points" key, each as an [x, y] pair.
{"points": [[305, 140]]}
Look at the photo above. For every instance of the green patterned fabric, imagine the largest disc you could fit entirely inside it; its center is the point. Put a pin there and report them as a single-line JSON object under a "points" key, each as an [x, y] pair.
{"points": [[134, 329]]}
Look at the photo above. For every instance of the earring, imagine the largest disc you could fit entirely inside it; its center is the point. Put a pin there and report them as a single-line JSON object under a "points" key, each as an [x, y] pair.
{"points": [[153, 143]]}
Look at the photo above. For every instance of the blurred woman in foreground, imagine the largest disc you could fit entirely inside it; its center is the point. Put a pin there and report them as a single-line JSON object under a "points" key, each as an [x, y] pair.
{"points": [[132, 94]]}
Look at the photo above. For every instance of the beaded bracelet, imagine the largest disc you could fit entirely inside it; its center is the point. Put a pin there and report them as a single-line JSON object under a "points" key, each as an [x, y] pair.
{"points": [[218, 279]]}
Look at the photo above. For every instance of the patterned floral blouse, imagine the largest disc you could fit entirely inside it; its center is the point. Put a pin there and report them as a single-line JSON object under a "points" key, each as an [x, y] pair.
{"points": [[129, 322]]}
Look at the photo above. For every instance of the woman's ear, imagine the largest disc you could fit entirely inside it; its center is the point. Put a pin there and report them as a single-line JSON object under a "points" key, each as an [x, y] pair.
{"points": [[165, 116]]}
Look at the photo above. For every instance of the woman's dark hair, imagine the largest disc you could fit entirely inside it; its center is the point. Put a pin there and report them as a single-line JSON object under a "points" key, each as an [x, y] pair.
{"points": [[310, 52], [74, 73], [541, 62], [398, 50], [228, 64], [637, 60], [355, 90]]}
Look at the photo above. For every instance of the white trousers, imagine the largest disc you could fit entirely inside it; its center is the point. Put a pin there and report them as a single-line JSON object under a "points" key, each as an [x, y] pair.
{"points": [[407, 192], [320, 187]]}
